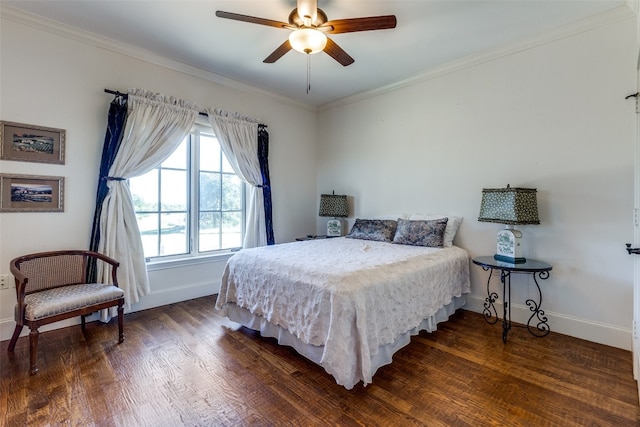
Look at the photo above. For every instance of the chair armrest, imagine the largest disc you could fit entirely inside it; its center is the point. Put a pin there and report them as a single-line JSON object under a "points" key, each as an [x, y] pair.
{"points": [[114, 264], [104, 258]]}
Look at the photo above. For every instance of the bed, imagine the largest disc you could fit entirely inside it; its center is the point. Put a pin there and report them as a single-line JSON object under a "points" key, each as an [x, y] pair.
{"points": [[346, 303]]}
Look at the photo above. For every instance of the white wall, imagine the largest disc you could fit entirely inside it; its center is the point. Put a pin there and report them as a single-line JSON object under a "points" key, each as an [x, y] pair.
{"points": [[551, 117], [54, 77]]}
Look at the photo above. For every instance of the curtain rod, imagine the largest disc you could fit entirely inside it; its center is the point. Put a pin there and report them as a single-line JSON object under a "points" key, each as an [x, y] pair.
{"points": [[118, 93], [115, 92]]}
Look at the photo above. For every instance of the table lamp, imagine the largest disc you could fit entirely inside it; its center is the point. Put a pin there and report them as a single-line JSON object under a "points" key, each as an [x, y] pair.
{"points": [[510, 206], [334, 205]]}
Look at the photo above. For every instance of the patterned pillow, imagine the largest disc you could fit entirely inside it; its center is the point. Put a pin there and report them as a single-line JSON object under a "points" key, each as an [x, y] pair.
{"points": [[452, 225], [421, 232], [381, 230]]}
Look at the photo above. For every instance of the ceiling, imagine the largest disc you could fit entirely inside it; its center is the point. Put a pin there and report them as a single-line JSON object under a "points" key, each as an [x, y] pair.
{"points": [[429, 34]]}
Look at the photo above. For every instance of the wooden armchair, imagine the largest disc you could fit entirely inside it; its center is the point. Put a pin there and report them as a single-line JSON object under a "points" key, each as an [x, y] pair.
{"points": [[52, 286]]}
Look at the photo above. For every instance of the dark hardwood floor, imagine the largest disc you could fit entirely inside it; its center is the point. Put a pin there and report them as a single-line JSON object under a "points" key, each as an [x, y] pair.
{"points": [[183, 364]]}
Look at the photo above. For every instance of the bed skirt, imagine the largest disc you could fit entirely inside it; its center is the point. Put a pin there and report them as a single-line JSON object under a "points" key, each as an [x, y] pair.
{"points": [[314, 353]]}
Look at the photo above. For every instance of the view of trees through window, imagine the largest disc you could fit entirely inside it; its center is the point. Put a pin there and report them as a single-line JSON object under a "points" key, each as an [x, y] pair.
{"points": [[193, 203]]}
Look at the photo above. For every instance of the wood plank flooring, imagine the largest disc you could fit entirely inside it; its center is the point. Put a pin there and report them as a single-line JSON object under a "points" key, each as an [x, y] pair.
{"points": [[185, 365]]}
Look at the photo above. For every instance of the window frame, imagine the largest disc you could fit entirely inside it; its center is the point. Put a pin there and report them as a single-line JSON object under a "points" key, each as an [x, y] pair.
{"points": [[193, 254]]}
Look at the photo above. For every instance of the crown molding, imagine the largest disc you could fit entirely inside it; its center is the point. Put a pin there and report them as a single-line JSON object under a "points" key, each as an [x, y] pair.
{"points": [[86, 37], [613, 16]]}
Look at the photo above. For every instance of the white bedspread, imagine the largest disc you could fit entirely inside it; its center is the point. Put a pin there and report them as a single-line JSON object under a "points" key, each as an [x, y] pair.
{"points": [[349, 296]]}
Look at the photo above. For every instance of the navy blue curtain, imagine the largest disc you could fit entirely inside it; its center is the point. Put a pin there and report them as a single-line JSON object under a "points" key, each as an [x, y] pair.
{"points": [[113, 137], [263, 156]]}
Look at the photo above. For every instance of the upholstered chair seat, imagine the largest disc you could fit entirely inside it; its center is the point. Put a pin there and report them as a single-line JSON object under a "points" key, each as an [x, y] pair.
{"points": [[68, 298]]}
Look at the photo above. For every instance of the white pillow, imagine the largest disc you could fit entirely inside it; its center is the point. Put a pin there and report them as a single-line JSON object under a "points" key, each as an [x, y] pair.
{"points": [[391, 216], [449, 232]]}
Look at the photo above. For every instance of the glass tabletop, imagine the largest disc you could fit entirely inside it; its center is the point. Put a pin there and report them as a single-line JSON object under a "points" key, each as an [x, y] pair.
{"points": [[529, 265]]}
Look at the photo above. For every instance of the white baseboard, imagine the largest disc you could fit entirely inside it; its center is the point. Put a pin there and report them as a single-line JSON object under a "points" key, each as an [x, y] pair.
{"points": [[173, 295], [152, 300], [601, 333]]}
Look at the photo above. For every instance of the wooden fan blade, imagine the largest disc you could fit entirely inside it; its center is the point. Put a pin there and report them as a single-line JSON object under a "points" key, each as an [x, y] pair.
{"points": [[278, 53], [361, 24], [251, 19], [337, 53]]}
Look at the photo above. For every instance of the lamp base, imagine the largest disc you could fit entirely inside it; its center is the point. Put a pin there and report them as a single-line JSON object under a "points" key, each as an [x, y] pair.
{"points": [[509, 248], [509, 260], [334, 228]]}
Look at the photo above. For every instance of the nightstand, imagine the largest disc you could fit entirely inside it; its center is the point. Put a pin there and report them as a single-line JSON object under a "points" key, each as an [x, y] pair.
{"points": [[538, 270], [310, 237]]}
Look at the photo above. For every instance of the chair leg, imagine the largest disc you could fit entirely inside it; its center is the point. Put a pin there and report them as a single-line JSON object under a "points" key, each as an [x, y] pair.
{"points": [[83, 322], [14, 338], [33, 351], [120, 323]]}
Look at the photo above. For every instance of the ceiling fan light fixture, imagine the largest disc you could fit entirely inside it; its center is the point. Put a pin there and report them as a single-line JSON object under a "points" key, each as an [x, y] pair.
{"points": [[308, 40]]}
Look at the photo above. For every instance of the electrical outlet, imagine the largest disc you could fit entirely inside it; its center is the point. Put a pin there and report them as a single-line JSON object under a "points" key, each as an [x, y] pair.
{"points": [[6, 281]]}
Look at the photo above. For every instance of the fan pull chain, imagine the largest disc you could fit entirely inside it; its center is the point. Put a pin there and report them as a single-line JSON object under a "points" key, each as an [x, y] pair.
{"points": [[308, 73]]}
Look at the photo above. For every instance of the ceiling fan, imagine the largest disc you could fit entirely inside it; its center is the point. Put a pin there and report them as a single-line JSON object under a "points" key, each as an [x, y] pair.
{"points": [[309, 26]]}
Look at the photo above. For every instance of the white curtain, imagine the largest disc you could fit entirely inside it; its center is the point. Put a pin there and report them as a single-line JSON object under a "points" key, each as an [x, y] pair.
{"points": [[155, 126], [238, 137]]}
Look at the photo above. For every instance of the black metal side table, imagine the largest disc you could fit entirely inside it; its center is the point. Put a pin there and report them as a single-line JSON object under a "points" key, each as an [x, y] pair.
{"points": [[310, 237], [538, 270]]}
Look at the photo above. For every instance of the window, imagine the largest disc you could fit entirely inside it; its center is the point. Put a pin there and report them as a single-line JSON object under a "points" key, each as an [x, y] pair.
{"points": [[192, 204]]}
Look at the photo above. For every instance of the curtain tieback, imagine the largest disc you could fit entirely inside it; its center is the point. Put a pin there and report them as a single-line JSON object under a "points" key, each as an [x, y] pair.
{"points": [[113, 178]]}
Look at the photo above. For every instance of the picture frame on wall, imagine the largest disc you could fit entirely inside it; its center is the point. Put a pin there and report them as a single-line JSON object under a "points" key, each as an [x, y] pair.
{"points": [[31, 143], [31, 193]]}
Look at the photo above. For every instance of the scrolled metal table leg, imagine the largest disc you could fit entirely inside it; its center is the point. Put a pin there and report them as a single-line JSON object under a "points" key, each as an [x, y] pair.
{"points": [[489, 312], [541, 327]]}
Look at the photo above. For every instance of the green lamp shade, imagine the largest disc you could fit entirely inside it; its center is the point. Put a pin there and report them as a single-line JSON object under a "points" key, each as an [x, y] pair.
{"points": [[509, 206], [334, 205]]}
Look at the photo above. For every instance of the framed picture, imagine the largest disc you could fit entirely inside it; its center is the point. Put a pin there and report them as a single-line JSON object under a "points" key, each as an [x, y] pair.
{"points": [[31, 193], [30, 143]]}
